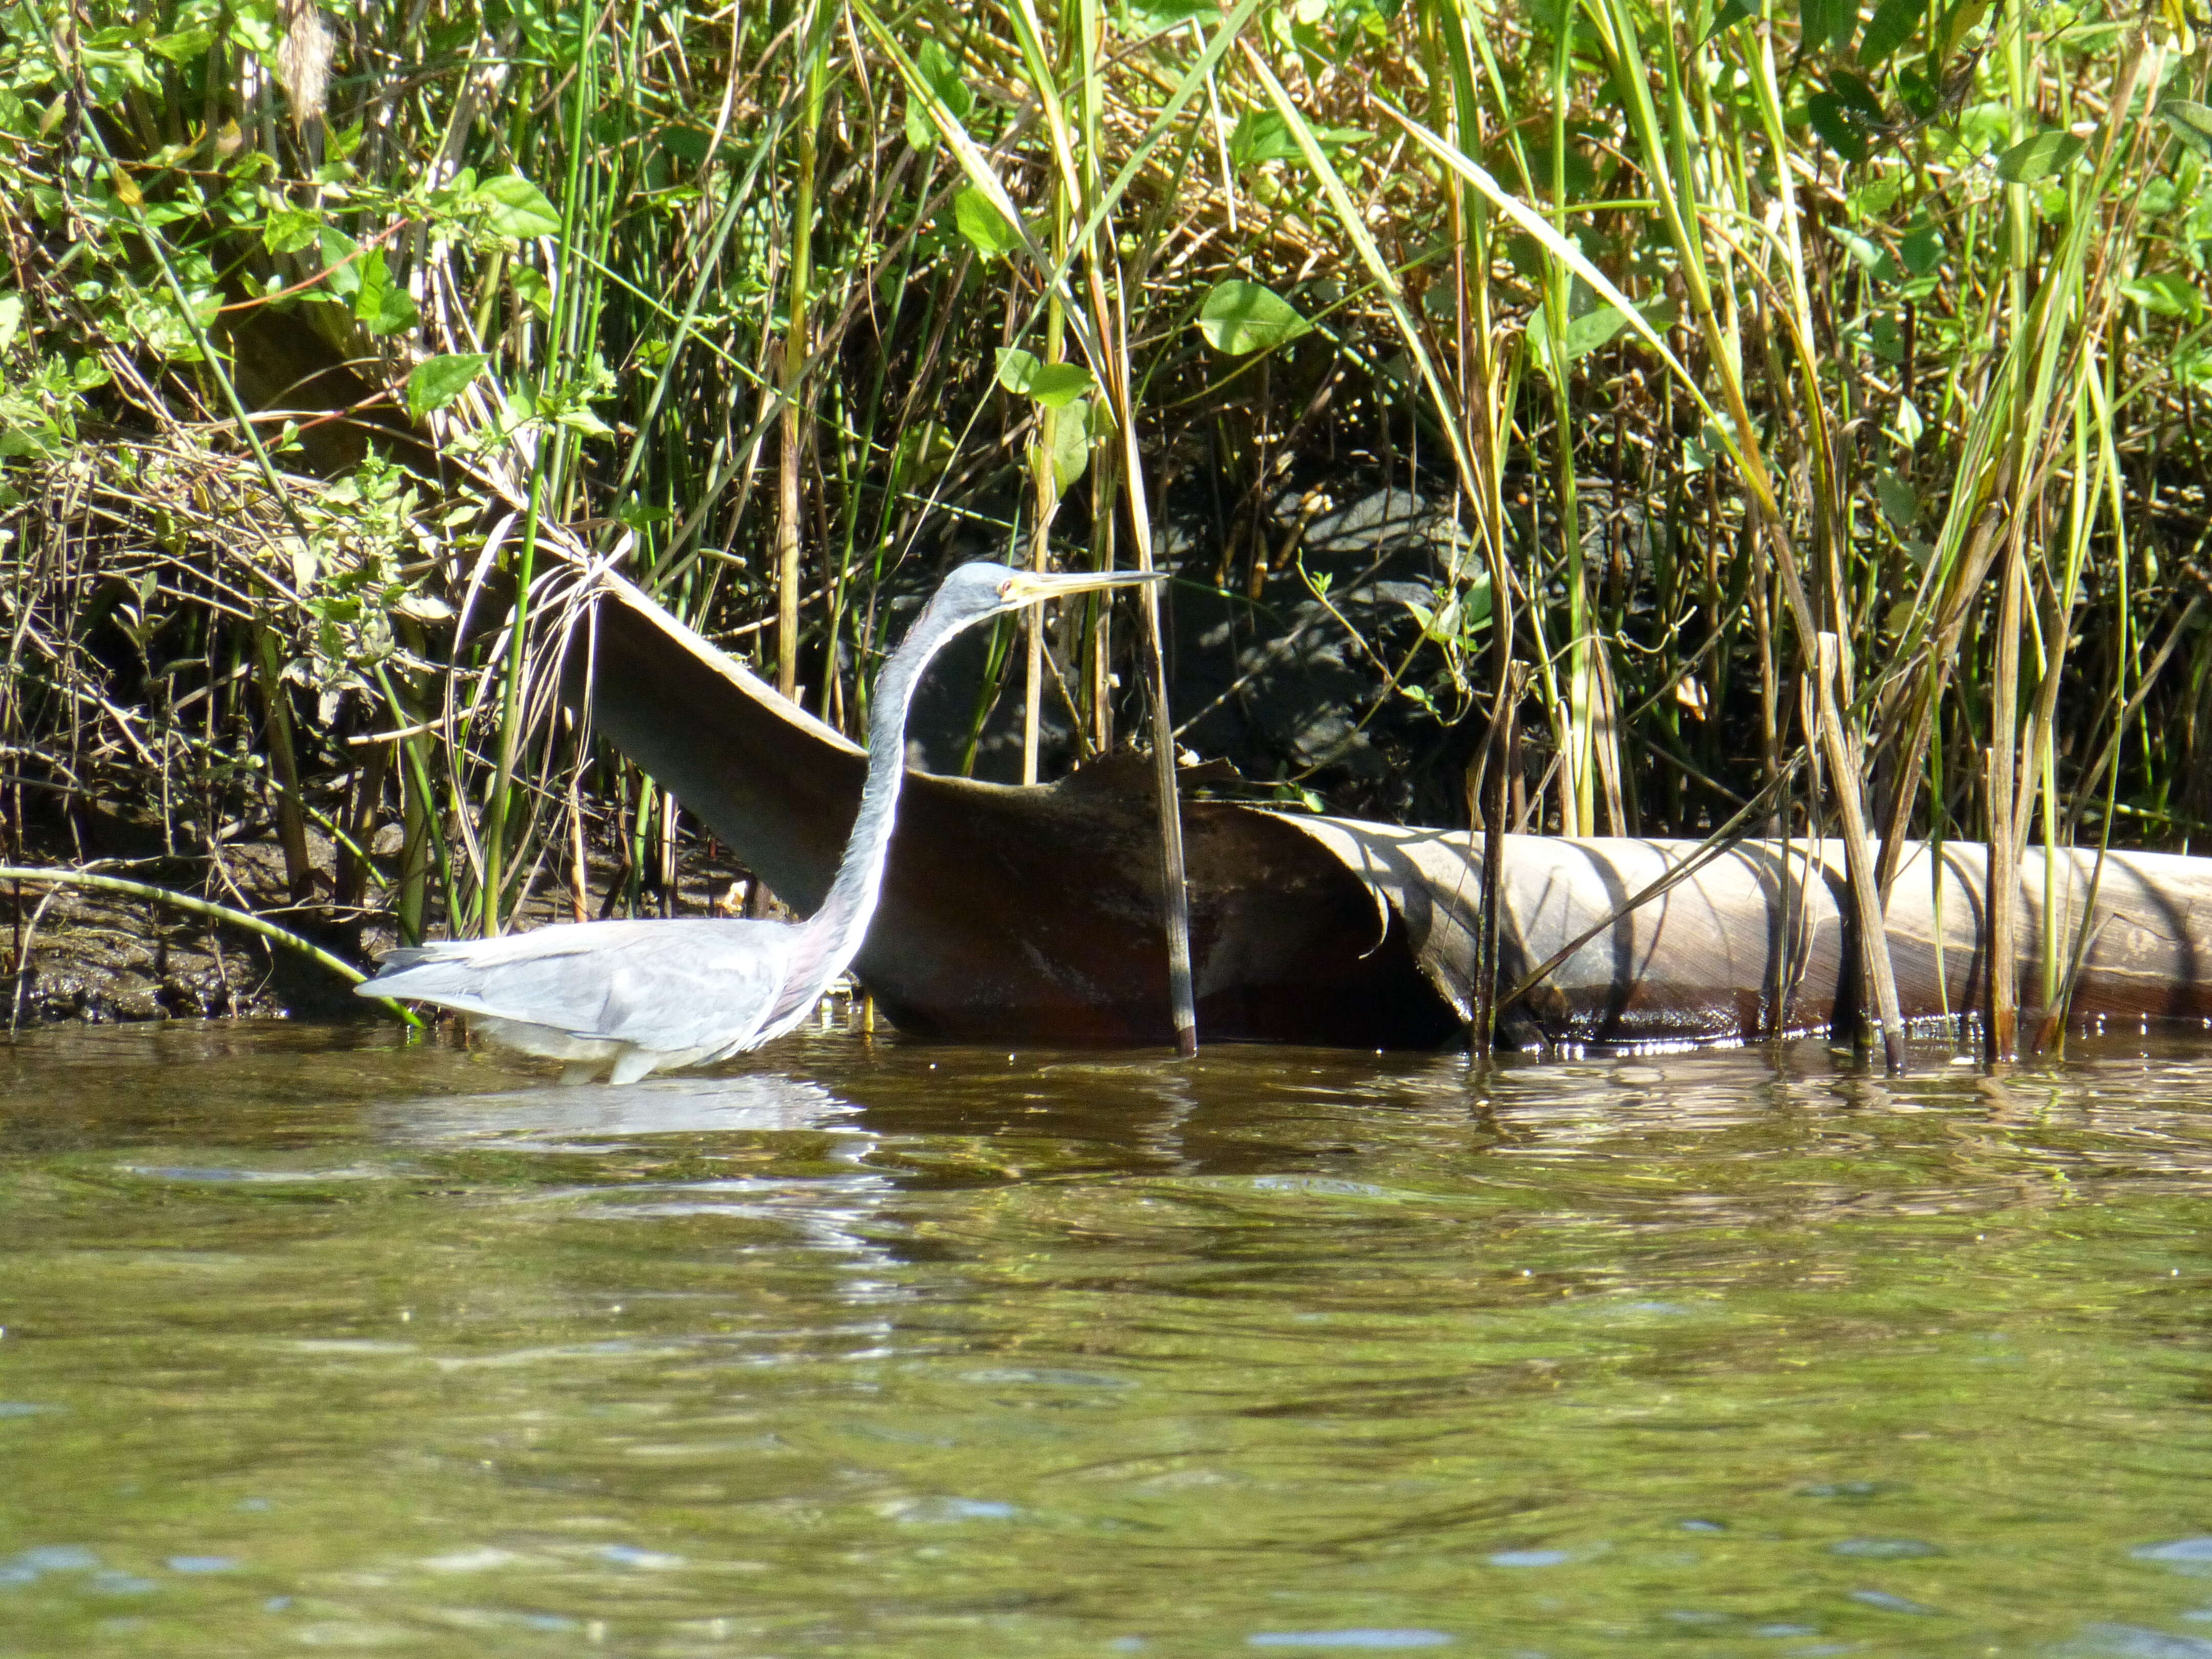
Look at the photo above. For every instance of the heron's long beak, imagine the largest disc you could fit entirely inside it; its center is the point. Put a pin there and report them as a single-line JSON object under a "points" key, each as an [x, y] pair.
{"points": [[1028, 587]]}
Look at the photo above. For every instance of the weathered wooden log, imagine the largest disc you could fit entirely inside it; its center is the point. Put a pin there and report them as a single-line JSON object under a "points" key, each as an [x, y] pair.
{"points": [[1031, 913]]}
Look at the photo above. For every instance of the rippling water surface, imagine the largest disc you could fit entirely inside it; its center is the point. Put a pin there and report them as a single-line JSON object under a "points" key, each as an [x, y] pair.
{"points": [[314, 1340]]}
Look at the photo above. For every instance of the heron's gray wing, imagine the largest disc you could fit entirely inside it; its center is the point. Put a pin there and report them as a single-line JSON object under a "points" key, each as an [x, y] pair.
{"points": [[666, 985]]}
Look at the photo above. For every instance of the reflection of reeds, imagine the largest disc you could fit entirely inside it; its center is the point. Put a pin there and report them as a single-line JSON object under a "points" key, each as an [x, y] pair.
{"points": [[1719, 340]]}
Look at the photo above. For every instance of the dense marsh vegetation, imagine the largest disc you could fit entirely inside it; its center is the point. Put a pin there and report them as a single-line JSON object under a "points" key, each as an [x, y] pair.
{"points": [[1710, 331]]}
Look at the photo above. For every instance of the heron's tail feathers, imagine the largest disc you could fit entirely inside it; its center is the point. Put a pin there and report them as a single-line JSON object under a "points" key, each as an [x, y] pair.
{"points": [[432, 970]]}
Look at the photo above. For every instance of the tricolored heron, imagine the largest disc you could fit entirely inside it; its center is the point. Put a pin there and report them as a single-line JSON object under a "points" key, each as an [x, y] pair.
{"points": [[652, 995]]}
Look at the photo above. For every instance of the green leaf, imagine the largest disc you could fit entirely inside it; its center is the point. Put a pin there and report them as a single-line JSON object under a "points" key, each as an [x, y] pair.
{"points": [[1583, 334], [2050, 151], [1958, 23], [1919, 94], [922, 451], [1586, 333], [1018, 369], [1922, 251], [342, 274], [1059, 384], [1264, 135], [988, 230], [515, 207], [342, 142], [185, 44], [532, 289], [1893, 25], [1238, 317], [1581, 177], [2163, 294], [2191, 120], [1898, 504], [1858, 98], [1832, 119], [1145, 18], [438, 382], [381, 304], [1872, 257], [687, 144], [1827, 22], [1261, 135], [942, 75], [1475, 605], [1731, 14], [1910, 425], [254, 27], [1071, 437], [290, 229], [1051, 385]]}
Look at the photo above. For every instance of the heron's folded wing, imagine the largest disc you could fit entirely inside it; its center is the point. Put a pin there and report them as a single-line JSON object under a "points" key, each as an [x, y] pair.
{"points": [[666, 985], [714, 990]]}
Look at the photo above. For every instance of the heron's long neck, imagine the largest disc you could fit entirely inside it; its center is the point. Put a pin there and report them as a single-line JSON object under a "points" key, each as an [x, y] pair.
{"points": [[836, 930]]}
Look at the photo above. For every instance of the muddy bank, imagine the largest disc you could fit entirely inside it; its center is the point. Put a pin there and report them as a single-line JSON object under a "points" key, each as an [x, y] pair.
{"points": [[79, 954]]}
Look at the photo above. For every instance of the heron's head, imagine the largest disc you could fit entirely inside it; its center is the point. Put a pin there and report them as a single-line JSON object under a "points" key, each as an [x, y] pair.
{"points": [[977, 590]]}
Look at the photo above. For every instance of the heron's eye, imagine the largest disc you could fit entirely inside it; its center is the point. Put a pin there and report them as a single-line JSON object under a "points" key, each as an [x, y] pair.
{"points": [[1006, 588]]}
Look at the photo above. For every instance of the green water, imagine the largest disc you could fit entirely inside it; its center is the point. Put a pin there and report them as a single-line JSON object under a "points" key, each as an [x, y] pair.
{"points": [[314, 1341]]}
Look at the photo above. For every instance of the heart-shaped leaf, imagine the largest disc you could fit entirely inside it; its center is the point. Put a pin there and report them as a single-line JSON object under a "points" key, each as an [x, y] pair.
{"points": [[1729, 16], [381, 304], [2165, 295], [515, 207], [2190, 119], [942, 75], [1827, 22], [1835, 121], [921, 130], [1055, 385], [1891, 25], [1238, 317], [1261, 135], [1071, 436], [1898, 504], [1144, 18], [2050, 151], [1871, 256], [290, 229], [1018, 369], [988, 230], [438, 382], [185, 44], [1586, 333], [532, 289], [1264, 135], [1922, 250]]}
